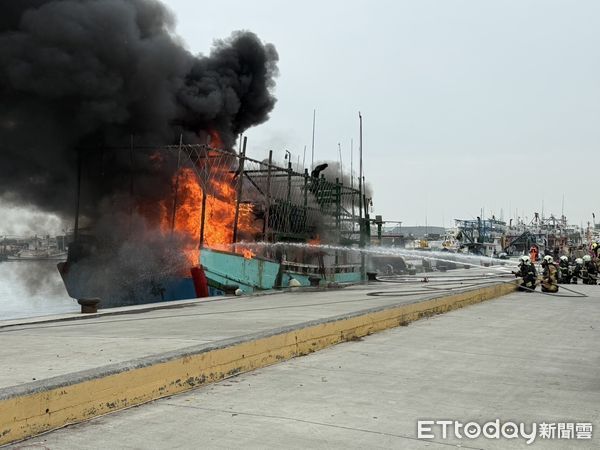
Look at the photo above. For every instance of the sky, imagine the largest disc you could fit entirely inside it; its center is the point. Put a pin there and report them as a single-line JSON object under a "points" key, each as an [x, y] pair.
{"points": [[469, 106]]}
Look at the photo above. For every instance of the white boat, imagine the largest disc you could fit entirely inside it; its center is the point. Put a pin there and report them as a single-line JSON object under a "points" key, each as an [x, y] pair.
{"points": [[39, 255]]}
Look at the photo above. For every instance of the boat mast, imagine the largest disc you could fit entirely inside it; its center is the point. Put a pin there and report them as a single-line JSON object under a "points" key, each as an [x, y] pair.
{"points": [[312, 147]]}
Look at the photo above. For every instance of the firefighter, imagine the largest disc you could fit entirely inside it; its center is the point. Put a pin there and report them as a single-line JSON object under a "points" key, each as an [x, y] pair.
{"points": [[549, 275], [564, 271], [533, 254], [590, 271], [528, 273], [596, 254], [596, 250], [577, 271]]}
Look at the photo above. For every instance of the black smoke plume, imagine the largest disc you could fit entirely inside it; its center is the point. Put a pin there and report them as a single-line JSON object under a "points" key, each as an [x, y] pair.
{"points": [[93, 87], [95, 74]]}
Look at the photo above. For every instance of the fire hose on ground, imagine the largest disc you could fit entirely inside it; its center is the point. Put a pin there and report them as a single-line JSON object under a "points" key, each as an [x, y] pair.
{"points": [[459, 279]]}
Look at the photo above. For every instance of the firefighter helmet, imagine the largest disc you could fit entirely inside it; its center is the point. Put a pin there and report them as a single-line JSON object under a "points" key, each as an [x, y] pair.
{"points": [[526, 260], [587, 258], [548, 259], [579, 261], [564, 258]]}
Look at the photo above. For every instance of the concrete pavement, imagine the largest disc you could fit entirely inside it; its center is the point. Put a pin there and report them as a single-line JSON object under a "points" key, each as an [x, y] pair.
{"points": [[71, 369], [523, 357], [40, 349]]}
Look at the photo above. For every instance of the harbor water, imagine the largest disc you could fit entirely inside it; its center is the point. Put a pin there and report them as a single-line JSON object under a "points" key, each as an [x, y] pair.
{"points": [[31, 289]]}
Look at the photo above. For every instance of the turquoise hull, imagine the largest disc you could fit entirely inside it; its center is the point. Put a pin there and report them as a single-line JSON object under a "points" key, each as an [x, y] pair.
{"points": [[227, 271], [231, 269]]}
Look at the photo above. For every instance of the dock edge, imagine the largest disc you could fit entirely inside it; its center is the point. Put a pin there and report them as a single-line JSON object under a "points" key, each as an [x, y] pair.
{"points": [[34, 408]]}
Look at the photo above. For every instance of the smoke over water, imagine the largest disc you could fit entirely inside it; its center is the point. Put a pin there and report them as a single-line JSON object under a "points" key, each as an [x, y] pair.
{"points": [[80, 77]]}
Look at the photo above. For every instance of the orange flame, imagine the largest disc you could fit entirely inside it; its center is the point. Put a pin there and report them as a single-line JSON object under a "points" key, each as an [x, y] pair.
{"points": [[315, 241], [248, 227], [219, 215]]}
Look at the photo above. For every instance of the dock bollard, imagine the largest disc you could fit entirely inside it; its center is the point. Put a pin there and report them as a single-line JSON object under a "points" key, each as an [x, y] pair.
{"points": [[314, 281], [372, 276], [89, 305], [231, 289]]}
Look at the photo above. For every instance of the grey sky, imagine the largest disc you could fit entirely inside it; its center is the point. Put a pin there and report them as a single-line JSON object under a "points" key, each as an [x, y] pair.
{"points": [[466, 104]]}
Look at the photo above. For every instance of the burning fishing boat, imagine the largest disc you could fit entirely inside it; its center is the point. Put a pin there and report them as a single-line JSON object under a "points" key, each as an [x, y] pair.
{"points": [[87, 117], [221, 228]]}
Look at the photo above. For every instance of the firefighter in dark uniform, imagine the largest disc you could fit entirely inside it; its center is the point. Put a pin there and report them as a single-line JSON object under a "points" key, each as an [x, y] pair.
{"points": [[590, 271], [528, 273], [549, 275], [596, 254], [564, 271], [577, 271]]}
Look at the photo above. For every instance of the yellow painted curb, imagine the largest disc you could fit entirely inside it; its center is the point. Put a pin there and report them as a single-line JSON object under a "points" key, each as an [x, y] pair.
{"points": [[29, 413]]}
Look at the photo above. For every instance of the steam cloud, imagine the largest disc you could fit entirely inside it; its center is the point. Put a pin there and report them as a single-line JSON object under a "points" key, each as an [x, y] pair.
{"points": [[92, 74]]}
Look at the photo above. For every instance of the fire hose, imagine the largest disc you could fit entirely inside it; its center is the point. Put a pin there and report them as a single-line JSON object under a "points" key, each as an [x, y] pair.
{"points": [[459, 279]]}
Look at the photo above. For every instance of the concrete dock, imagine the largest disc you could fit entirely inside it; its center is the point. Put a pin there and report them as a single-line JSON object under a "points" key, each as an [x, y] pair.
{"points": [[65, 370]]}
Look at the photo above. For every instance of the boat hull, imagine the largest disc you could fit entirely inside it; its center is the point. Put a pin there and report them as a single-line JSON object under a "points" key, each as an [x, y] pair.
{"points": [[227, 269]]}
